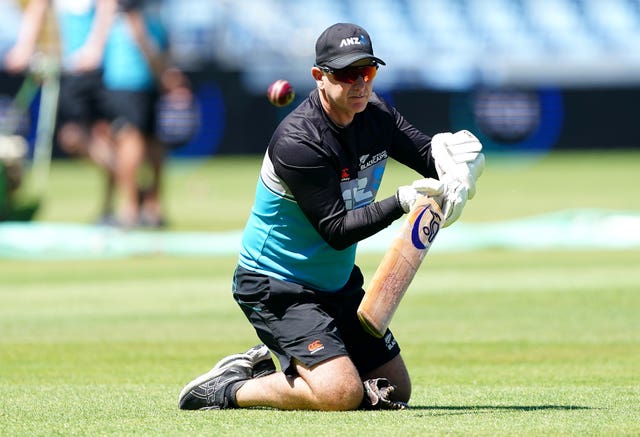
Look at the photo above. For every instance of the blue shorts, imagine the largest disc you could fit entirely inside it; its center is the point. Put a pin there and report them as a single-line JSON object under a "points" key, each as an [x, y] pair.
{"points": [[311, 326]]}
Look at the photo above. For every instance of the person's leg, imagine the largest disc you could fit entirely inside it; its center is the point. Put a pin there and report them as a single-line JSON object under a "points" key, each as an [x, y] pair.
{"points": [[84, 130], [75, 113], [102, 152], [350, 354], [151, 213], [373, 357], [130, 153], [333, 385], [96, 144], [133, 114], [300, 331], [396, 372], [324, 353], [73, 139]]}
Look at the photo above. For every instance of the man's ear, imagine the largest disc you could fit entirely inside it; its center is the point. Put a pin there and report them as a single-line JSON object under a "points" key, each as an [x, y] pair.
{"points": [[317, 76]]}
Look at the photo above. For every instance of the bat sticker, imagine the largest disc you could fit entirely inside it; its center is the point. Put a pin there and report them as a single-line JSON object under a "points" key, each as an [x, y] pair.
{"points": [[430, 230]]}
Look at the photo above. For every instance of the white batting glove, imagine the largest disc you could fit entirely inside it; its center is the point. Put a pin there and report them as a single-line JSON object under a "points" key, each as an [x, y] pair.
{"points": [[407, 194], [458, 156], [453, 202]]}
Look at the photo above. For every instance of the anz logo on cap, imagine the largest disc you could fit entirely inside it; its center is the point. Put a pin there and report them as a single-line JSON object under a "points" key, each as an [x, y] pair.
{"points": [[354, 40]]}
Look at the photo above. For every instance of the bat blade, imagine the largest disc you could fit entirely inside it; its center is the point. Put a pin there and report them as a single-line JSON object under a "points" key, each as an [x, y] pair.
{"points": [[399, 266]]}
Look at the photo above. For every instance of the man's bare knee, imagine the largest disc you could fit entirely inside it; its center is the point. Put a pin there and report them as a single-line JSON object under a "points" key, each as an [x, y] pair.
{"points": [[335, 384], [341, 395]]}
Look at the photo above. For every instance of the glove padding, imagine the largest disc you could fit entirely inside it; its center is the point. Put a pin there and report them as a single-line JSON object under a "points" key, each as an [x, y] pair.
{"points": [[459, 156], [407, 194], [453, 201], [376, 396], [459, 163]]}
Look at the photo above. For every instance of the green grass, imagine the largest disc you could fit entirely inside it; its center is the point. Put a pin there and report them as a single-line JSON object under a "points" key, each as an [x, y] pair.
{"points": [[497, 342], [216, 194]]}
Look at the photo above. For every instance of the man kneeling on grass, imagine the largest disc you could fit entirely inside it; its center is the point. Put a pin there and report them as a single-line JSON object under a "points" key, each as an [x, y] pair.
{"points": [[296, 279]]}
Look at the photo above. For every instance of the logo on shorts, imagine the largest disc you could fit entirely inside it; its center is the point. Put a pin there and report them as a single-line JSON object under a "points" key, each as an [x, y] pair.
{"points": [[315, 346], [390, 341]]}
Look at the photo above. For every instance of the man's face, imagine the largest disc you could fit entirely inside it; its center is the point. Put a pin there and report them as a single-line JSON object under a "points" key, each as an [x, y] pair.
{"points": [[342, 100]]}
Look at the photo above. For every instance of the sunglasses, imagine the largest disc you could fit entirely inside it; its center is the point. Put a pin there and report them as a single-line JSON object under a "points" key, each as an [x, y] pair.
{"points": [[351, 74]]}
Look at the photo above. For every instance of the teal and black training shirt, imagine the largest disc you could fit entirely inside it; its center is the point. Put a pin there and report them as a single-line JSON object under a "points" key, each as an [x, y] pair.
{"points": [[315, 197]]}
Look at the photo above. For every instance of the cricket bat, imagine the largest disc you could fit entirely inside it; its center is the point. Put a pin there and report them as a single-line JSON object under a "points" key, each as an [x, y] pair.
{"points": [[399, 266]]}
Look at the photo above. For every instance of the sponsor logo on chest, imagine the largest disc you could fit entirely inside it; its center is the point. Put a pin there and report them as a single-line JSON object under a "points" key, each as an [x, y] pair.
{"points": [[367, 161]]}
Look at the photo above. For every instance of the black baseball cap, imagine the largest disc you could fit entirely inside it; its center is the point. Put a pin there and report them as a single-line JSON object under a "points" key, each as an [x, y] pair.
{"points": [[343, 44]]}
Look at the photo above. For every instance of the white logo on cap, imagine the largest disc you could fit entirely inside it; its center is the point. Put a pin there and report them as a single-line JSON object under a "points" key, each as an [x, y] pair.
{"points": [[354, 40]]}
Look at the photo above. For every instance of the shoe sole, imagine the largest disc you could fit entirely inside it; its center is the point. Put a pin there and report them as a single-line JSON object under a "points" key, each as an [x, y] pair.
{"points": [[218, 370], [257, 354], [228, 359], [263, 364]]}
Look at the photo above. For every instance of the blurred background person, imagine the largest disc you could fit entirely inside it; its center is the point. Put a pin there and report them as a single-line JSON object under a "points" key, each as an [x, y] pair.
{"points": [[115, 65], [83, 126], [137, 71]]}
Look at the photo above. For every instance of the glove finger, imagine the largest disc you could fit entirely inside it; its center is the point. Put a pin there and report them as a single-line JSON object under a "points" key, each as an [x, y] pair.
{"points": [[462, 137], [397, 405], [460, 175], [467, 147], [440, 154], [452, 210], [454, 204], [385, 392], [406, 196], [475, 170], [465, 157], [463, 146], [428, 186], [446, 211], [376, 395], [471, 189], [477, 166], [441, 138]]}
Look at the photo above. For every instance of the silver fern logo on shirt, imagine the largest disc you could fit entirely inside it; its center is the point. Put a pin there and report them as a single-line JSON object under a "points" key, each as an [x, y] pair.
{"points": [[365, 162]]}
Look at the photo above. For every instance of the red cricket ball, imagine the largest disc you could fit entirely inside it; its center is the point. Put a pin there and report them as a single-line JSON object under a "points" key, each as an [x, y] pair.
{"points": [[280, 93]]}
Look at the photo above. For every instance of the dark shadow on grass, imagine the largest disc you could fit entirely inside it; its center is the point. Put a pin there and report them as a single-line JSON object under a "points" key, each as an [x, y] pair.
{"points": [[446, 410]]}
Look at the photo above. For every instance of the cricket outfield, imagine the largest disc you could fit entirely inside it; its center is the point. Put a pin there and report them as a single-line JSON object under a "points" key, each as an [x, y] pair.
{"points": [[499, 342]]}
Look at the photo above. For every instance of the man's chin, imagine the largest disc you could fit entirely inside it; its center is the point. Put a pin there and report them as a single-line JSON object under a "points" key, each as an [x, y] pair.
{"points": [[359, 103]]}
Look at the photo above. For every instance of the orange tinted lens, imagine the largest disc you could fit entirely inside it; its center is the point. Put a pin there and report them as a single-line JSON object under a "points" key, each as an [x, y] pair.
{"points": [[352, 74]]}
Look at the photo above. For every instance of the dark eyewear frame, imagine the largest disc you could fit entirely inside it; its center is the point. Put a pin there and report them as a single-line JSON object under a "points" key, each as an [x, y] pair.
{"points": [[352, 74]]}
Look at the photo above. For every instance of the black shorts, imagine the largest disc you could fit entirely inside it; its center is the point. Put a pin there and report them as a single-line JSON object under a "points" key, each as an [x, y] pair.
{"points": [[134, 108], [82, 98], [309, 325]]}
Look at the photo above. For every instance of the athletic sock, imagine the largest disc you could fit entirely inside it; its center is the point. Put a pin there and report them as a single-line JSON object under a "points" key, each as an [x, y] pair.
{"points": [[231, 391]]}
